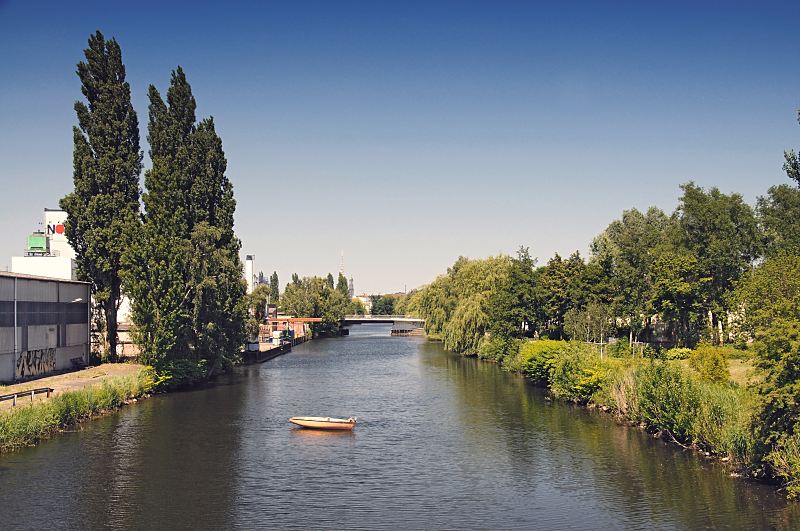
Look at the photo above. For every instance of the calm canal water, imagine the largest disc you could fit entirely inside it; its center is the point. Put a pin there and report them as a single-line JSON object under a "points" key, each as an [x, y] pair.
{"points": [[442, 443]]}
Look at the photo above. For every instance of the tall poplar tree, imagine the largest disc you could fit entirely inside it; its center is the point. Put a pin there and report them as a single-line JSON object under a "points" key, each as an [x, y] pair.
{"points": [[102, 209], [342, 286], [186, 276], [274, 288]]}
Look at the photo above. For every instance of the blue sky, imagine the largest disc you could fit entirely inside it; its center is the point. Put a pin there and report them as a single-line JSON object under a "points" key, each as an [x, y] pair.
{"points": [[406, 134]]}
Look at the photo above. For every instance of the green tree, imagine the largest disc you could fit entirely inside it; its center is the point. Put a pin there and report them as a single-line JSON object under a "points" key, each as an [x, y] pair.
{"points": [[722, 232], [467, 327], [769, 299], [792, 162], [778, 215], [627, 247], [590, 324], [455, 306], [257, 301], [274, 288], [511, 306], [382, 305], [329, 280], [357, 307], [559, 287], [102, 210], [677, 294], [313, 297], [342, 287], [185, 274]]}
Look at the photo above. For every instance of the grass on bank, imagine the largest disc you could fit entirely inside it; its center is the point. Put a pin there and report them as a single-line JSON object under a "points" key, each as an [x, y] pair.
{"points": [[27, 425]]}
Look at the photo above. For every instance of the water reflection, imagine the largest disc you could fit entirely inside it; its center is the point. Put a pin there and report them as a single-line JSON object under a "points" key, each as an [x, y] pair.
{"points": [[640, 480]]}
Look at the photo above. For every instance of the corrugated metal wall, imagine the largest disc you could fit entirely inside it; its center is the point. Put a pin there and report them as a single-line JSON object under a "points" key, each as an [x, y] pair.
{"points": [[52, 326]]}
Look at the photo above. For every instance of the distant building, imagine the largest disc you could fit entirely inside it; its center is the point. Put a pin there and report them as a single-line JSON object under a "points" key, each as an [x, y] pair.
{"points": [[249, 263], [350, 290], [366, 300]]}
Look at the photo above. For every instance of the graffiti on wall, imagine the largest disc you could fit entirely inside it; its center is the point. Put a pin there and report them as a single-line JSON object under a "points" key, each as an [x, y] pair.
{"points": [[35, 362]]}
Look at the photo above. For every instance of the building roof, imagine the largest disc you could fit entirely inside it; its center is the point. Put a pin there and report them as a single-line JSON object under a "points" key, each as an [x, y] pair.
{"points": [[36, 277]]}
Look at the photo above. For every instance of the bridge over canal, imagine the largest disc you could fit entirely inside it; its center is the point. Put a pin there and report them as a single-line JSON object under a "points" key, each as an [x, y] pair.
{"points": [[415, 322]]}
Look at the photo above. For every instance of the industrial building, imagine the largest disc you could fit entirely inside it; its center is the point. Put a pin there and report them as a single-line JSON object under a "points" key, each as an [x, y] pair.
{"points": [[49, 254], [44, 325]]}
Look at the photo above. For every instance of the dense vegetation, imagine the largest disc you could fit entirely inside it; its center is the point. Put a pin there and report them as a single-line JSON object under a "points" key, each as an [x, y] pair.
{"points": [[652, 318], [382, 304], [319, 297]]}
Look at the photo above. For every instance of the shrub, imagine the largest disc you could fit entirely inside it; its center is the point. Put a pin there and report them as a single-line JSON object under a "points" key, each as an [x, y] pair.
{"points": [[666, 399], [678, 353], [734, 353], [712, 415], [181, 374], [577, 373], [497, 349], [723, 420], [620, 349], [535, 359], [710, 364], [785, 461], [649, 351]]}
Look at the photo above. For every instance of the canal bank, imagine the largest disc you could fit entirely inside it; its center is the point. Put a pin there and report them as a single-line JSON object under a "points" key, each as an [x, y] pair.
{"points": [[70, 399], [443, 442]]}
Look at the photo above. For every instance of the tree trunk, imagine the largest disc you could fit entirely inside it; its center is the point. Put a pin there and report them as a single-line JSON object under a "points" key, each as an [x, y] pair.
{"points": [[110, 307], [630, 337], [711, 327]]}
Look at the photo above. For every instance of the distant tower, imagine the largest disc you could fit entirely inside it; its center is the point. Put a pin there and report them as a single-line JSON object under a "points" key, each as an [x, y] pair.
{"points": [[350, 288], [248, 271], [341, 264]]}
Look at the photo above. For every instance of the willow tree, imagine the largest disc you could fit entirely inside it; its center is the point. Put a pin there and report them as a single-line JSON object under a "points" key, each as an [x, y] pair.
{"points": [[102, 209], [456, 306]]}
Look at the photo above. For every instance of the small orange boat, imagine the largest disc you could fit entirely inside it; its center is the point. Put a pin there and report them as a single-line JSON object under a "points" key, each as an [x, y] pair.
{"points": [[324, 423]]}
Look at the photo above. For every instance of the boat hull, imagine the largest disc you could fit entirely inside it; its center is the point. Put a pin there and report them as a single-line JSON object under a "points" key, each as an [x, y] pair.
{"points": [[324, 423]]}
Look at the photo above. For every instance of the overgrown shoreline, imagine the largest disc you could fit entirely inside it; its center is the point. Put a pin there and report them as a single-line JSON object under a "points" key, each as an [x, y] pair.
{"points": [[28, 425], [714, 418]]}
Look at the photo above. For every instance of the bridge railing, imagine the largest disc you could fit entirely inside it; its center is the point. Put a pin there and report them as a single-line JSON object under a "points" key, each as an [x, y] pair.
{"points": [[384, 317]]}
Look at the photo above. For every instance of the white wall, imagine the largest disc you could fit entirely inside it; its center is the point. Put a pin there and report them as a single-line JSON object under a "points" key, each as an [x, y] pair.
{"points": [[54, 229], [44, 266]]}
